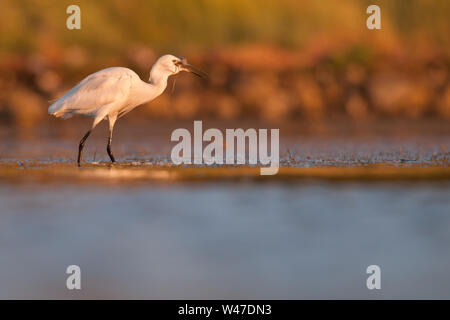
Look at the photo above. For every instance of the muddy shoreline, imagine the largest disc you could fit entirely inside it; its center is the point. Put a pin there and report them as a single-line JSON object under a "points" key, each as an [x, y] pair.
{"points": [[131, 173]]}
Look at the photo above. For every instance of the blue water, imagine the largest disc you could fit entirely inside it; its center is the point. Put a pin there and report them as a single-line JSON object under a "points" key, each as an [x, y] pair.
{"points": [[188, 241]]}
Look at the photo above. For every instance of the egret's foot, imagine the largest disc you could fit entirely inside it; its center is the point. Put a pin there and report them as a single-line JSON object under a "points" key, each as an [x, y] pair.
{"points": [[79, 158], [111, 164]]}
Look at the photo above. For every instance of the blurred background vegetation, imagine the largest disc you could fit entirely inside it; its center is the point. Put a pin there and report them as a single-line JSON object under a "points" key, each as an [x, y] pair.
{"points": [[278, 61]]}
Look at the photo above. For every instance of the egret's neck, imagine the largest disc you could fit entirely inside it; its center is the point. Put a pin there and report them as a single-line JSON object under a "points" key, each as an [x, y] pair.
{"points": [[158, 79]]}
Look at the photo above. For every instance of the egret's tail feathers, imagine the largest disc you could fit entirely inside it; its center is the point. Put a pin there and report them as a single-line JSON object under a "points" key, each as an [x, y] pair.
{"points": [[58, 110], [65, 114]]}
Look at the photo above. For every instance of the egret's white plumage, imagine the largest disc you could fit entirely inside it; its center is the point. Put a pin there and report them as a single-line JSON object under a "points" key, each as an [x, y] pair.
{"points": [[112, 92], [98, 93]]}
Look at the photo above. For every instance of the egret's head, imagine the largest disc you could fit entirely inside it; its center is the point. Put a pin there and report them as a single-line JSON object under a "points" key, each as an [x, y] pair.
{"points": [[174, 65]]}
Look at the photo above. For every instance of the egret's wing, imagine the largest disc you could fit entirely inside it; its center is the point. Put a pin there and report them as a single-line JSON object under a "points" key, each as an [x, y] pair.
{"points": [[103, 88]]}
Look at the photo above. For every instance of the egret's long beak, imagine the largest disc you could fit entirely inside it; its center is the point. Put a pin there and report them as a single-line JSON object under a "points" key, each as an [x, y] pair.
{"points": [[189, 68]]}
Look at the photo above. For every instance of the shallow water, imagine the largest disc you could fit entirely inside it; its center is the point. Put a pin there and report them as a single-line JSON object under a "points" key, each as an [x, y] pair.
{"points": [[144, 229], [408, 144], [226, 240]]}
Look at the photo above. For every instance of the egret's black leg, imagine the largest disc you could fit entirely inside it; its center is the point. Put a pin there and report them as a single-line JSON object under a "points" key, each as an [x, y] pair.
{"points": [[81, 146], [112, 120], [108, 149]]}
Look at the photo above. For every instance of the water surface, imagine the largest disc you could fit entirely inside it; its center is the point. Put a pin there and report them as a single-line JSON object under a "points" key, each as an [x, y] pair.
{"points": [[226, 240]]}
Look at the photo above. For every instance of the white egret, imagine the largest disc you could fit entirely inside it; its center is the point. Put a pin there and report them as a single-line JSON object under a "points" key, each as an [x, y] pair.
{"points": [[113, 92]]}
